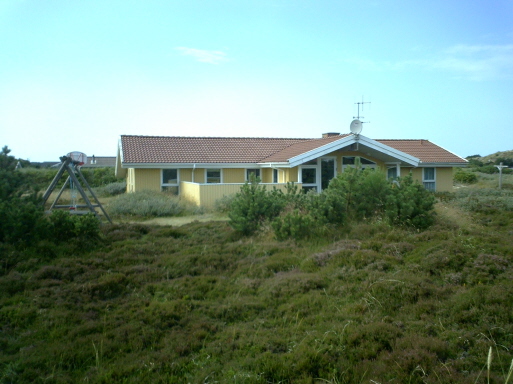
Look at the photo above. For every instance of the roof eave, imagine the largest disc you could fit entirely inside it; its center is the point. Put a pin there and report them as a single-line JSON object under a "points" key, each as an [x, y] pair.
{"points": [[275, 164], [348, 140], [190, 165], [383, 148], [319, 151], [441, 164]]}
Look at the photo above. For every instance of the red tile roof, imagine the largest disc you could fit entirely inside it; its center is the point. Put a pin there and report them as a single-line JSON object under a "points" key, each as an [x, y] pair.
{"points": [[299, 148], [177, 149], [424, 150]]}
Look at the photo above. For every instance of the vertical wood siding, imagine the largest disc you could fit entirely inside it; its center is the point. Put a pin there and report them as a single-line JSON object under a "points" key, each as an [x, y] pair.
{"points": [[206, 195], [444, 180], [233, 175], [146, 179]]}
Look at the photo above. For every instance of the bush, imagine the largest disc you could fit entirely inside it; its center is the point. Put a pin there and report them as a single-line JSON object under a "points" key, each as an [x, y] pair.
{"points": [[295, 224], [253, 205], [97, 177], [354, 194], [146, 204], [23, 221], [465, 177], [223, 204], [66, 226], [411, 204], [112, 189]]}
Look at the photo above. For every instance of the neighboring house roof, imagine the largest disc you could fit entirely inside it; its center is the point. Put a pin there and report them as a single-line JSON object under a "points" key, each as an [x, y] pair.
{"points": [[210, 150], [100, 162], [45, 164]]}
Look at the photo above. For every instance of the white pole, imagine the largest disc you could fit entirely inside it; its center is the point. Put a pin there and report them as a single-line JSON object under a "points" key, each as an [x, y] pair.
{"points": [[500, 173]]}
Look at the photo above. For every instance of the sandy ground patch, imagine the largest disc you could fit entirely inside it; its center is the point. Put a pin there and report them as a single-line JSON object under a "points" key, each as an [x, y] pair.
{"points": [[179, 221]]}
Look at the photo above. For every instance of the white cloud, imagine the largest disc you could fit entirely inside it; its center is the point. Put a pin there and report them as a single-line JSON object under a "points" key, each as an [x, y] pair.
{"points": [[203, 55], [474, 62], [478, 62]]}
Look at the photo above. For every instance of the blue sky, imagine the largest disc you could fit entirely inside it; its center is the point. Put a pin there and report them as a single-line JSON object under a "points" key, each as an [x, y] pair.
{"points": [[75, 75]]}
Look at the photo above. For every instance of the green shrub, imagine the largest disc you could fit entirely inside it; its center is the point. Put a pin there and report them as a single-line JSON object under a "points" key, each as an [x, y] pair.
{"points": [[354, 194], [112, 189], [146, 204], [40, 178], [253, 205], [411, 204], [224, 203], [489, 169], [465, 177], [295, 224], [97, 177], [66, 226]]}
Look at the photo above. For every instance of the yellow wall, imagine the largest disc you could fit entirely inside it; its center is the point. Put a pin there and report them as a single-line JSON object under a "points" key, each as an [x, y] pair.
{"points": [[206, 195], [233, 175], [146, 179], [267, 175], [185, 174], [291, 175], [444, 177], [149, 179], [190, 192], [444, 180]]}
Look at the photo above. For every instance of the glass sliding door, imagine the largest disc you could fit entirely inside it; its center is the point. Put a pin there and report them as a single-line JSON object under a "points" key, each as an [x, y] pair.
{"points": [[327, 171]]}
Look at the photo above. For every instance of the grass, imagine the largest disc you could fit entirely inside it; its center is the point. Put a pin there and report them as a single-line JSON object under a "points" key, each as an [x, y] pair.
{"points": [[200, 304]]}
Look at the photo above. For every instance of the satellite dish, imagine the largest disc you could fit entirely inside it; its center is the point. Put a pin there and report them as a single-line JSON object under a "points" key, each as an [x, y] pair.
{"points": [[79, 157], [356, 126]]}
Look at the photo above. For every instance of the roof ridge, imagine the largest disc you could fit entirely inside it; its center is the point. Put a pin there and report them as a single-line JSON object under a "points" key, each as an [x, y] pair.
{"points": [[402, 140], [222, 137]]}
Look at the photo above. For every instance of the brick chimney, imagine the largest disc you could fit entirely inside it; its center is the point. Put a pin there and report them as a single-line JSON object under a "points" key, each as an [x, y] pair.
{"points": [[330, 134]]}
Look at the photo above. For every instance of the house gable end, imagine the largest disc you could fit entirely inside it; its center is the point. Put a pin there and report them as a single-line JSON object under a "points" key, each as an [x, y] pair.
{"points": [[378, 148]]}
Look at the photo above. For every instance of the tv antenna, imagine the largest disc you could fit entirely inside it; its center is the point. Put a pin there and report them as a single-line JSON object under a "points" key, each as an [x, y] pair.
{"points": [[362, 104]]}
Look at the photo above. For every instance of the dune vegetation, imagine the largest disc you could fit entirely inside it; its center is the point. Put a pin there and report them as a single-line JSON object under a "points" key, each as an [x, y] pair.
{"points": [[368, 300]]}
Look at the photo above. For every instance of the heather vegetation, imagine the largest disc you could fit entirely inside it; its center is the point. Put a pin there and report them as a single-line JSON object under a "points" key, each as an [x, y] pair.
{"points": [[365, 295]]}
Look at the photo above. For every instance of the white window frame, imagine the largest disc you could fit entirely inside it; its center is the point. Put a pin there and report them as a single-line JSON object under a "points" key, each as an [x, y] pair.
{"points": [[429, 184], [315, 166], [316, 184], [214, 169], [164, 185], [259, 171], [363, 166]]}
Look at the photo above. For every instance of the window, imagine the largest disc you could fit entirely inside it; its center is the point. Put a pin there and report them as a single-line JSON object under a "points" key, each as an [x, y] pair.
{"points": [[213, 176], [275, 176], [327, 171], [252, 171], [429, 178], [392, 173], [309, 178], [170, 181], [356, 161]]}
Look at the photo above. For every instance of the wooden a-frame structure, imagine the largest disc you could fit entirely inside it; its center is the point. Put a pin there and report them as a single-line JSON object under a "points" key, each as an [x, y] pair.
{"points": [[70, 166]]}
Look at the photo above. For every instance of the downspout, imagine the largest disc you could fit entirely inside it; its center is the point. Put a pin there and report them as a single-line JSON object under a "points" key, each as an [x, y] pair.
{"points": [[193, 169]]}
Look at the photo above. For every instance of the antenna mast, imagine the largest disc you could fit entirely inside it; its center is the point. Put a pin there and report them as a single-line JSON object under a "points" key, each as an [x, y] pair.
{"points": [[361, 103]]}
